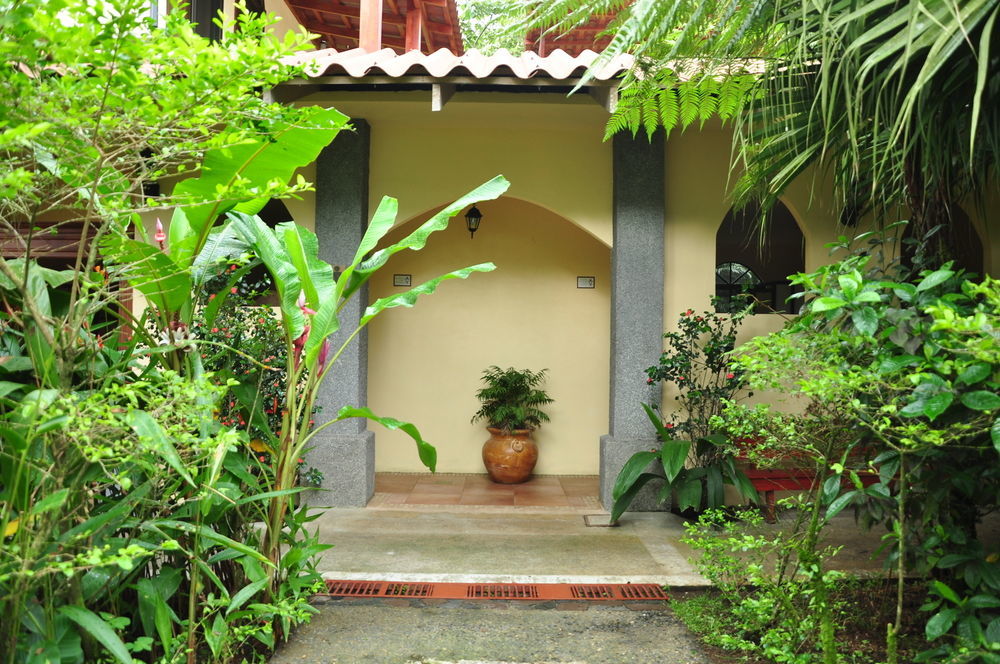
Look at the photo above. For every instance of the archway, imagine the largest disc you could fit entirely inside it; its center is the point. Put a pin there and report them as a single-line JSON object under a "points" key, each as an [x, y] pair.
{"points": [[424, 363], [748, 262]]}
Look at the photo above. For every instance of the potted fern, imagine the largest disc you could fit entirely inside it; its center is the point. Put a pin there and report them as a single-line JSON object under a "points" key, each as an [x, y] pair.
{"points": [[511, 405]]}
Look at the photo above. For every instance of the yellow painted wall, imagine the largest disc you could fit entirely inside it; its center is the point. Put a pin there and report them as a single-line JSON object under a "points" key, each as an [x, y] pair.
{"points": [[425, 362]]}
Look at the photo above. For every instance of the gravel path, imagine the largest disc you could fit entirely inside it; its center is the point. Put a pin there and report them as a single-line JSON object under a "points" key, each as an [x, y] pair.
{"points": [[401, 632]]}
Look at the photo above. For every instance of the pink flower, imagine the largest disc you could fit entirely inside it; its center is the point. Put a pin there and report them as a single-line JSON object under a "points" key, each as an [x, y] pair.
{"points": [[730, 376], [211, 297], [680, 378], [234, 290], [303, 306], [160, 236], [324, 355], [670, 425], [649, 381]]}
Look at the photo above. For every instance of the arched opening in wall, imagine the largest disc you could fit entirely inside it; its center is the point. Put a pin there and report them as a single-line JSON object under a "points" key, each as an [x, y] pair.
{"points": [[744, 265], [532, 312], [957, 241]]}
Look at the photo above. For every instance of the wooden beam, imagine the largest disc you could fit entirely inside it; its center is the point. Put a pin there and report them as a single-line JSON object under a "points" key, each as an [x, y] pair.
{"points": [[339, 10], [414, 25], [428, 35], [371, 25], [440, 94]]}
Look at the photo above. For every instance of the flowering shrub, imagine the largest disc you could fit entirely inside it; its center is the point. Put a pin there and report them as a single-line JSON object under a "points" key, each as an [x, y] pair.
{"points": [[246, 344], [696, 364]]}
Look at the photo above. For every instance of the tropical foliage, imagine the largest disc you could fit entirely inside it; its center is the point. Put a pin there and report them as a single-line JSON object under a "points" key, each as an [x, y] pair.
{"points": [[697, 460], [898, 99], [131, 478]]}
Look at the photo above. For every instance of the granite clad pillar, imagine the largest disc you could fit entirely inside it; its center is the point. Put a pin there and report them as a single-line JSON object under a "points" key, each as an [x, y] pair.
{"points": [[345, 451], [636, 303]]}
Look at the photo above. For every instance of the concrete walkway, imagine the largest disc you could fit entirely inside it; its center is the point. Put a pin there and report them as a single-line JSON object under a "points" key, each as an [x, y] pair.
{"points": [[503, 545]]}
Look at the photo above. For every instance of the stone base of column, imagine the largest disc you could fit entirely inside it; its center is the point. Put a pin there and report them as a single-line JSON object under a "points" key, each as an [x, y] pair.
{"points": [[348, 465], [614, 454]]}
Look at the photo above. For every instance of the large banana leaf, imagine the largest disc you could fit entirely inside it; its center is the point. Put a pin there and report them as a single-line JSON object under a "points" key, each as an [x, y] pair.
{"points": [[153, 273], [275, 157], [361, 270], [426, 451]]}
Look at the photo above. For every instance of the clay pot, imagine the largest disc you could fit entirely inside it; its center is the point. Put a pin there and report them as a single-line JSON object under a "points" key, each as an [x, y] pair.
{"points": [[510, 457]]}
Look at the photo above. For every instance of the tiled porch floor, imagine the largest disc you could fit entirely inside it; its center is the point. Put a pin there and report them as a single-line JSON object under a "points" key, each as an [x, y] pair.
{"points": [[545, 491]]}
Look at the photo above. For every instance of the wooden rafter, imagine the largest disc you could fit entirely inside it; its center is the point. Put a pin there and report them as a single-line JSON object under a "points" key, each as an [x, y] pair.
{"points": [[402, 25]]}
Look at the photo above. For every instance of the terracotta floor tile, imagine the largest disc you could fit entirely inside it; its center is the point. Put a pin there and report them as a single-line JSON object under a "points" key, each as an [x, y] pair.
{"points": [[487, 499], [442, 480], [541, 501], [437, 489], [433, 499], [395, 484]]}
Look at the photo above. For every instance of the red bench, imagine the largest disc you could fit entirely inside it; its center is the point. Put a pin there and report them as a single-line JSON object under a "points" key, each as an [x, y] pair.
{"points": [[767, 481]]}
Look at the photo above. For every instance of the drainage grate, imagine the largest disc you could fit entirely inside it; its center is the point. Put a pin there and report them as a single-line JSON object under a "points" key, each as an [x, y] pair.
{"points": [[354, 588], [408, 590], [502, 591], [490, 591], [642, 591], [593, 592]]}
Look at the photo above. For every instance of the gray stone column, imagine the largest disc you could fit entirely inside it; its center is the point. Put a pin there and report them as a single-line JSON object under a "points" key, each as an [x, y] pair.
{"points": [[344, 451], [636, 303]]}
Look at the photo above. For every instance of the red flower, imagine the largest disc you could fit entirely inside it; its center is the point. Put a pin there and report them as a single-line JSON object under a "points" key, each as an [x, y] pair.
{"points": [[215, 329], [233, 290], [670, 425], [649, 381], [730, 376], [680, 378]]}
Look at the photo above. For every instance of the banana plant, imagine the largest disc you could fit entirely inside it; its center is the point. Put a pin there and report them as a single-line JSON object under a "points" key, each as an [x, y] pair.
{"points": [[238, 178], [310, 299], [691, 486]]}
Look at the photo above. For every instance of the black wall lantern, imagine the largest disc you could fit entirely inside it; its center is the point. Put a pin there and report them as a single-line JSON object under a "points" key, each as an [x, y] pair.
{"points": [[472, 219]]}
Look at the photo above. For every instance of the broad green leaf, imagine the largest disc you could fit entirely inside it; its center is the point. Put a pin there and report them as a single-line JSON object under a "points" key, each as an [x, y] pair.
{"points": [[981, 400], [51, 501], [96, 626], [654, 418], [865, 321], [181, 239], [714, 489], [356, 275], [165, 283], [315, 274], [244, 594], [826, 304], [688, 491], [43, 356], [839, 503], [150, 431], [933, 279], [831, 489], [212, 536], [895, 363], [995, 434], [622, 502], [246, 393], [975, 373], [274, 158], [272, 253], [215, 636], [673, 454], [937, 404], [223, 244], [940, 623], [409, 298], [867, 296], [630, 472], [154, 611], [426, 451], [6, 387]]}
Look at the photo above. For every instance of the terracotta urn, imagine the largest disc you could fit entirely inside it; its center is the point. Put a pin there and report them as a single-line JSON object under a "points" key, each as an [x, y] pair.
{"points": [[510, 456]]}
